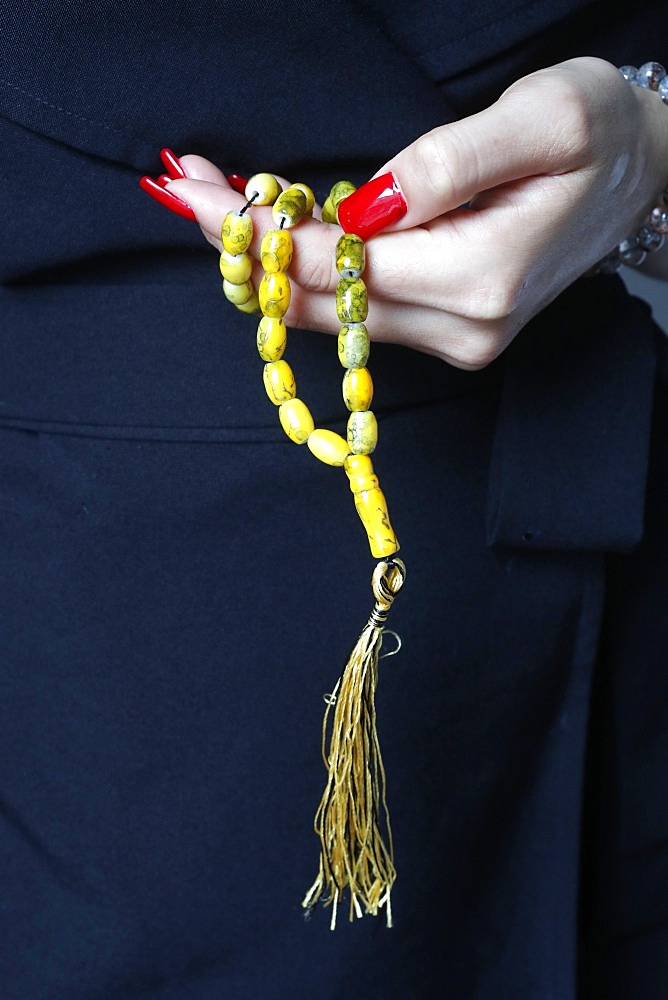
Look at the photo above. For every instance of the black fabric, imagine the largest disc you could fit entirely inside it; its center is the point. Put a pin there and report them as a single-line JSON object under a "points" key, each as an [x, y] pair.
{"points": [[180, 585]]}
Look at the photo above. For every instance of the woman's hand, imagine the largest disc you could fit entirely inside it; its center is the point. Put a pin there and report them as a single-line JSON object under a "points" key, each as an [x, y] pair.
{"points": [[505, 209]]}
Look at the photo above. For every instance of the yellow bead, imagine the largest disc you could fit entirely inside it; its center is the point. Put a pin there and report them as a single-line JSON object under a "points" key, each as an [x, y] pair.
{"points": [[359, 470], [341, 190], [238, 294], [274, 294], [279, 382], [236, 268], [328, 213], [328, 446], [357, 388], [272, 336], [296, 420], [351, 300], [276, 250], [350, 256], [372, 509], [252, 306], [265, 186], [310, 197], [362, 432], [353, 345], [289, 208], [236, 232]]}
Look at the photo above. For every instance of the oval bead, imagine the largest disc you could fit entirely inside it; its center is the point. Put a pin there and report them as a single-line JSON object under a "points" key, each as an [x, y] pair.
{"points": [[350, 256], [351, 300], [272, 337], [274, 292], [358, 467], [328, 446], [308, 193], [236, 232], [362, 432], [236, 268], [328, 213], [357, 388], [372, 509], [289, 208], [353, 345], [341, 190], [251, 306], [238, 294], [296, 420], [279, 382], [276, 250], [265, 186]]}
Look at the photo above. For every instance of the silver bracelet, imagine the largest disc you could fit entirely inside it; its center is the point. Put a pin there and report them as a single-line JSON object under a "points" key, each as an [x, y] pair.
{"points": [[633, 250]]}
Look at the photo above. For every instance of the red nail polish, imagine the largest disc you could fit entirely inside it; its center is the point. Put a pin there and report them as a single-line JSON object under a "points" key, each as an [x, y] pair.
{"points": [[373, 207], [164, 179], [237, 183], [172, 164], [166, 198]]}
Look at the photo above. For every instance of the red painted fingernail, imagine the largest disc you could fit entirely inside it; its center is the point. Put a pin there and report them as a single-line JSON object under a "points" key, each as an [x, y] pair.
{"points": [[164, 179], [166, 198], [237, 182], [172, 164], [373, 207]]}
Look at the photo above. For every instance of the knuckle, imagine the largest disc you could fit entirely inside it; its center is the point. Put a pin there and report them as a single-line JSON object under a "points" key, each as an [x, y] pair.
{"points": [[313, 271], [439, 161]]}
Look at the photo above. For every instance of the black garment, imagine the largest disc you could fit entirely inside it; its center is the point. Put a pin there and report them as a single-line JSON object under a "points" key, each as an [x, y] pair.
{"points": [[180, 585]]}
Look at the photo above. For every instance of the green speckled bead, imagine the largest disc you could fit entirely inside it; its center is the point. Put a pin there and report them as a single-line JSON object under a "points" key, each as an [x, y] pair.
{"points": [[362, 432], [265, 186], [296, 420], [276, 250], [351, 300], [289, 207], [238, 294], [357, 389], [328, 446], [308, 192], [236, 268], [353, 345], [272, 336], [350, 256], [341, 190], [236, 232], [279, 382], [274, 292], [251, 306], [328, 213]]}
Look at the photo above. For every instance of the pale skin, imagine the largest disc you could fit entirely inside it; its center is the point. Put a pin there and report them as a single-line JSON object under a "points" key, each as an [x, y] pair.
{"points": [[566, 164]]}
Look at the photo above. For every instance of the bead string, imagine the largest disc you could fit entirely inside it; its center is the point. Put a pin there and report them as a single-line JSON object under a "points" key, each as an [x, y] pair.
{"points": [[272, 300]]}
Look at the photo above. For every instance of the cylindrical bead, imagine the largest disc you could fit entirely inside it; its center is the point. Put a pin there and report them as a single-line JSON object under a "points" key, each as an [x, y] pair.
{"points": [[296, 420], [308, 192], [372, 509], [265, 186], [272, 336], [274, 294], [238, 294], [236, 232], [279, 382], [328, 446], [351, 300], [350, 256], [276, 250], [362, 432], [359, 470], [236, 268], [353, 345], [341, 190], [289, 207], [328, 213], [357, 388]]}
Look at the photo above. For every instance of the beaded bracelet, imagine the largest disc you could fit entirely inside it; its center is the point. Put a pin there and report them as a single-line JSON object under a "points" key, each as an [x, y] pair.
{"points": [[353, 852], [650, 237]]}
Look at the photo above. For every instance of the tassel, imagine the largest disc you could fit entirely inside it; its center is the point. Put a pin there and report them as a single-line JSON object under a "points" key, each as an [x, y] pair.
{"points": [[353, 853]]}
